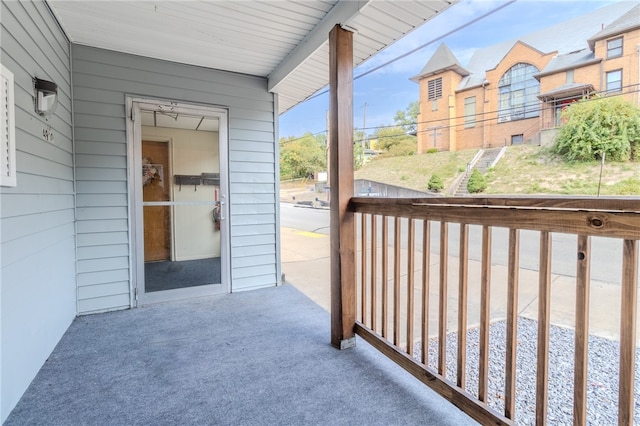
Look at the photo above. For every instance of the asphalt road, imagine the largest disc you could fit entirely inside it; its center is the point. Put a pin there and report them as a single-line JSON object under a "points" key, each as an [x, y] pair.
{"points": [[304, 218], [606, 256]]}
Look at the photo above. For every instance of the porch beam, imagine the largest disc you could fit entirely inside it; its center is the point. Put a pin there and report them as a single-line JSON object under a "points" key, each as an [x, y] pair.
{"points": [[342, 219], [341, 13]]}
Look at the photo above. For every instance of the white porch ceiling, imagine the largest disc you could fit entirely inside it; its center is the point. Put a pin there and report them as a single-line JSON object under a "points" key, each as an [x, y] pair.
{"points": [[284, 41]]}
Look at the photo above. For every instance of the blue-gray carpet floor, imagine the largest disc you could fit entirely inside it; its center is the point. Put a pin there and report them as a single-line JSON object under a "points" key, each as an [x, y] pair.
{"points": [[254, 358]]}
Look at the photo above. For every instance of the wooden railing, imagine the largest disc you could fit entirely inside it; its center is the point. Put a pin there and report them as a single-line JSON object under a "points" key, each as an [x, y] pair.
{"points": [[394, 305]]}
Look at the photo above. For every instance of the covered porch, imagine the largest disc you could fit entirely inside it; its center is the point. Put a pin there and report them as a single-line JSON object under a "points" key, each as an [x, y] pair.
{"points": [[264, 357], [260, 357], [73, 204]]}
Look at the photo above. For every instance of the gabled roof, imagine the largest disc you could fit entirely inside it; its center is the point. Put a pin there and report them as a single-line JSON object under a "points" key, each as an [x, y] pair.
{"points": [[283, 41], [479, 78], [563, 38], [569, 61], [442, 60], [627, 22]]}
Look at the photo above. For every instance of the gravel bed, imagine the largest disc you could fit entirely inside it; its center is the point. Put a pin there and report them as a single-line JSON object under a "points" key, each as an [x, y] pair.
{"points": [[602, 376]]}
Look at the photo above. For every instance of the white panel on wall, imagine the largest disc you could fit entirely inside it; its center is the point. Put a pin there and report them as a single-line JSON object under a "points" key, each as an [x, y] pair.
{"points": [[7, 129]]}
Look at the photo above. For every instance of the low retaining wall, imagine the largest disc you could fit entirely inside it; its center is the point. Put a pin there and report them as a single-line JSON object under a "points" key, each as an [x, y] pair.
{"points": [[370, 188]]}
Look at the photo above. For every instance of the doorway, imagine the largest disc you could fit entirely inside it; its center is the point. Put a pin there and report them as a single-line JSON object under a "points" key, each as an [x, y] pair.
{"points": [[517, 139], [179, 193]]}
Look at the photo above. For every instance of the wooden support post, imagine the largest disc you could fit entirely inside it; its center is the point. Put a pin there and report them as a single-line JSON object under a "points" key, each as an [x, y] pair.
{"points": [[343, 262]]}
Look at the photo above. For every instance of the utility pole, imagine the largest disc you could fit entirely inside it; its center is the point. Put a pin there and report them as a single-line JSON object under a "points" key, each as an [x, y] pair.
{"points": [[364, 127], [328, 149]]}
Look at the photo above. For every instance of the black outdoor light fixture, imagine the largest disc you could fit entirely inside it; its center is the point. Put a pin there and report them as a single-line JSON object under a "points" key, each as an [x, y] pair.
{"points": [[46, 96]]}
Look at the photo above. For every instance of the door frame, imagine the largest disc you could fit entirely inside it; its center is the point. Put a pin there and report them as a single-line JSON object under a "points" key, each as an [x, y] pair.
{"points": [[136, 236]]}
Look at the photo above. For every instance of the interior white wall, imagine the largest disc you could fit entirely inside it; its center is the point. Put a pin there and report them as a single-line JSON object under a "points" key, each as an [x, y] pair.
{"points": [[191, 153]]}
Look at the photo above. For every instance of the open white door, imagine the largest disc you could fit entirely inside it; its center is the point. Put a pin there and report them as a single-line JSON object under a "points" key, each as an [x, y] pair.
{"points": [[178, 187]]}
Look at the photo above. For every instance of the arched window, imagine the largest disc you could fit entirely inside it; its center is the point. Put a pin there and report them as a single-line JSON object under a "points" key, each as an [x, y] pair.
{"points": [[518, 93]]}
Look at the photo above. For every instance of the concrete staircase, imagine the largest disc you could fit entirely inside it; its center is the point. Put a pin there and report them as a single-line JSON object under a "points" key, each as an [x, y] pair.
{"points": [[488, 159], [461, 190]]}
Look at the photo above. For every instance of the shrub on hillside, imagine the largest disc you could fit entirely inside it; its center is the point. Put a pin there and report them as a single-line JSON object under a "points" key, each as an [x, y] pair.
{"points": [[435, 183], [394, 141], [477, 182], [597, 126], [401, 149], [432, 150]]}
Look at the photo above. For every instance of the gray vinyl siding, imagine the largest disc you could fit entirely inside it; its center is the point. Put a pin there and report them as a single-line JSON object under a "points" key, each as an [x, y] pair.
{"points": [[102, 80], [37, 237]]}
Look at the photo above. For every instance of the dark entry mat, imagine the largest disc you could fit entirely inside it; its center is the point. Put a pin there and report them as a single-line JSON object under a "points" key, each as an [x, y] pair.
{"points": [[169, 275]]}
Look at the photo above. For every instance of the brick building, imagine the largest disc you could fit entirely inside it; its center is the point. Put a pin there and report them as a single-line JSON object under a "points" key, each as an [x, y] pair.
{"points": [[513, 92]]}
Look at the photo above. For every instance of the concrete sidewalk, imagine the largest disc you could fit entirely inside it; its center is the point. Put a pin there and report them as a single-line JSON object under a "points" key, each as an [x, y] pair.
{"points": [[306, 265]]}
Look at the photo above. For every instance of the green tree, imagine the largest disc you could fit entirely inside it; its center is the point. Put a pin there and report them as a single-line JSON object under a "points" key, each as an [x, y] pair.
{"points": [[358, 156], [303, 156], [408, 118], [395, 141], [597, 126], [477, 182]]}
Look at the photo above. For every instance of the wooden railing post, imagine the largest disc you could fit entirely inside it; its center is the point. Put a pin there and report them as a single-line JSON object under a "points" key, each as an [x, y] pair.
{"points": [[512, 324], [485, 315], [410, 284], [426, 256], [374, 272], [442, 304], [544, 318], [397, 249], [628, 314], [343, 262], [363, 269], [585, 218], [463, 277], [583, 277], [385, 277]]}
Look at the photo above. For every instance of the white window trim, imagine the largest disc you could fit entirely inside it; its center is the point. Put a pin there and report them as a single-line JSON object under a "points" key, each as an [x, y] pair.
{"points": [[470, 116], [606, 81], [7, 131], [609, 49]]}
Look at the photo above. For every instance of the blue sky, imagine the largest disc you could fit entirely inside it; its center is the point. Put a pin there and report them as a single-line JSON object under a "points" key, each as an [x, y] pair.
{"points": [[389, 89]]}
